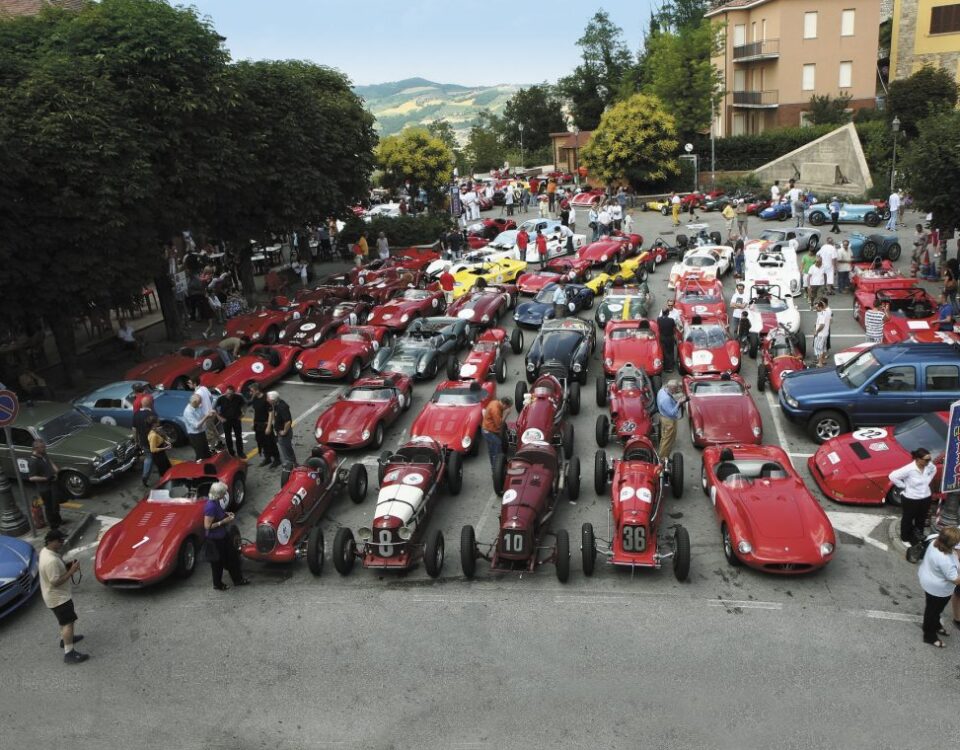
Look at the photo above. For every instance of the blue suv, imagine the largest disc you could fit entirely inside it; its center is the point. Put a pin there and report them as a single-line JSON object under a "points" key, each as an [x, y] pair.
{"points": [[883, 385]]}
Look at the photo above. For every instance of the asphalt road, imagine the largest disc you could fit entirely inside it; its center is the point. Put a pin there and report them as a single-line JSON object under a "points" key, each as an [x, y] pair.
{"points": [[732, 658]]}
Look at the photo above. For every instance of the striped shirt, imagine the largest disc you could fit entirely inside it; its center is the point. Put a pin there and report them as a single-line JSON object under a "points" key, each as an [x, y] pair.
{"points": [[873, 323]]}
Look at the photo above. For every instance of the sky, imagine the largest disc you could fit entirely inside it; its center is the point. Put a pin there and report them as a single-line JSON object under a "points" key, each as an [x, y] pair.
{"points": [[376, 41]]}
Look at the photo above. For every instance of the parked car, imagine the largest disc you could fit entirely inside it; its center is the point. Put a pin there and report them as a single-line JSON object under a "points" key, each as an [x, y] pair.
{"points": [[870, 246], [777, 212], [850, 213], [633, 342], [19, 574], [623, 303], [702, 262], [781, 353], [360, 417], [483, 308], [700, 298], [533, 314], [910, 306], [487, 357], [172, 371], [264, 365], [769, 309], [113, 405], [264, 324], [805, 237], [342, 357], [425, 348], [631, 399], [721, 410], [707, 348], [409, 305], [562, 348], [453, 414], [769, 264]]}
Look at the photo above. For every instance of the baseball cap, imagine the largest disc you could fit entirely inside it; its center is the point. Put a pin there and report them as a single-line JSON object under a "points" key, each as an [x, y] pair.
{"points": [[54, 535]]}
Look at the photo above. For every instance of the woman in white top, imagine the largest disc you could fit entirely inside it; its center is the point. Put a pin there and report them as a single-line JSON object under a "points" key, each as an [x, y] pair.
{"points": [[913, 481], [383, 246], [939, 576]]}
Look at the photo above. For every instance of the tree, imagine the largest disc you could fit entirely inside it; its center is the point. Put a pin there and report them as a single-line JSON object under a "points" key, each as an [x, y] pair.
{"points": [[931, 163], [539, 111], [418, 157], [927, 91], [485, 150], [681, 15], [827, 111], [636, 142]]}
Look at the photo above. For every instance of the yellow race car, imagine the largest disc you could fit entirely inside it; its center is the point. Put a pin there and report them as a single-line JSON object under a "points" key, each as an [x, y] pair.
{"points": [[631, 270], [503, 271], [660, 204]]}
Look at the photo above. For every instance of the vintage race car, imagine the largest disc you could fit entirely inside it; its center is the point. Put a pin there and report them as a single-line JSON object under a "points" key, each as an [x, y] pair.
{"points": [[702, 298], [768, 309], [411, 480], [707, 348], [532, 282], [361, 416], [264, 325], [777, 212], [172, 371], [855, 467], [381, 291], [532, 314], [163, 533], [768, 518], [550, 398], [865, 277], [632, 401], [869, 246], [607, 250], [310, 330], [326, 295], [756, 206], [587, 198], [483, 308], [897, 329], [633, 342], [781, 353], [113, 405], [453, 414], [850, 213], [264, 365], [638, 486], [562, 348], [424, 349], [484, 274], [506, 242], [721, 410], [773, 264], [702, 262], [574, 268], [631, 271], [289, 528], [487, 358], [351, 312], [409, 305], [344, 356], [487, 229], [664, 206], [910, 306], [623, 303]]}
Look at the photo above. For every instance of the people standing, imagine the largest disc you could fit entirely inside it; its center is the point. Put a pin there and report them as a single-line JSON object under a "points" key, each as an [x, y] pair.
{"points": [[738, 304], [675, 208], [218, 549], [383, 246], [523, 240], [157, 447], [828, 255], [821, 332], [893, 205], [743, 219], [604, 220], [141, 429], [552, 194], [616, 216], [43, 473], [739, 258], [946, 313], [730, 216], [795, 196], [196, 421], [559, 301], [667, 329], [572, 218], [835, 207], [913, 482], [492, 425], [593, 222], [57, 592], [951, 273], [874, 320], [230, 411], [211, 422], [775, 193], [816, 279], [939, 576], [266, 441], [447, 282], [844, 266], [669, 403], [541, 243], [282, 425]]}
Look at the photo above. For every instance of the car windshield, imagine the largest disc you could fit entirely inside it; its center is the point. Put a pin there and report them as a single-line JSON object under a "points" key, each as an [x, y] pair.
{"points": [[769, 304], [531, 226], [769, 234], [545, 295], [706, 337], [352, 338], [62, 425], [699, 261], [458, 396], [717, 388], [927, 431], [699, 298], [859, 370], [416, 294], [559, 344], [781, 347], [621, 334], [369, 394]]}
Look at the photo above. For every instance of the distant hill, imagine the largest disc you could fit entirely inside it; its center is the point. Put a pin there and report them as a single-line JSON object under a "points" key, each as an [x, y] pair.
{"points": [[417, 101]]}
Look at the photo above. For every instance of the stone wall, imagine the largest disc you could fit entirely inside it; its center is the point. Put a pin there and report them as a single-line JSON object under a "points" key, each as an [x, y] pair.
{"points": [[907, 23]]}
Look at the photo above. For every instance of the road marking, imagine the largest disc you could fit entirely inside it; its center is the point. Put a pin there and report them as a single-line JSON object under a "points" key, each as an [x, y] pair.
{"points": [[777, 419], [489, 509], [744, 605], [800, 455], [875, 614], [859, 525]]}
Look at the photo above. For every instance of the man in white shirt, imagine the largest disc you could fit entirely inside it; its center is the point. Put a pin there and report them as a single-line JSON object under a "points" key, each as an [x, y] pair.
{"points": [[564, 235], [795, 196], [738, 303], [603, 221], [55, 586], [211, 423], [616, 215], [893, 203], [821, 334], [816, 278], [775, 192], [828, 254]]}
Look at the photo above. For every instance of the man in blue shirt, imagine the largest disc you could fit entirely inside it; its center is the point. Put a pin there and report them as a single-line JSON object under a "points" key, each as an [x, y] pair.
{"points": [[196, 421], [945, 313], [835, 206], [668, 404], [559, 301]]}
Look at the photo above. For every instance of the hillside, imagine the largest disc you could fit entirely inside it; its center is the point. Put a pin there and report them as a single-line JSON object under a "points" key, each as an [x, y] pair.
{"points": [[417, 101]]}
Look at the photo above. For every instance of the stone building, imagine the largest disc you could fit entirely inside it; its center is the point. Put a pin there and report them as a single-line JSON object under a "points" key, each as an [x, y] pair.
{"points": [[32, 7], [925, 32]]}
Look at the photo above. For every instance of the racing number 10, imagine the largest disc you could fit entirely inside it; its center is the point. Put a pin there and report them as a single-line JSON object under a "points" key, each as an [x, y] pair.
{"points": [[513, 542]]}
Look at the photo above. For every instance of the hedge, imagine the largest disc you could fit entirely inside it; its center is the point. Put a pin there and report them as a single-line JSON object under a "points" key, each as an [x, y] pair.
{"points": [[402, 231]]}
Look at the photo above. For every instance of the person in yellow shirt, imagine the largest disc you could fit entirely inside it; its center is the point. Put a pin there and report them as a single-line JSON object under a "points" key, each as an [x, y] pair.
{"points": [[675, 208], [730, 215]]}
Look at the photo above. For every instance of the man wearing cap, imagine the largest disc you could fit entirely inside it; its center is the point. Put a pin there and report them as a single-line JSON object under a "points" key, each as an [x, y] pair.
{"points": [[835, 214], [56, 590], [738, 303], [669, 402]]}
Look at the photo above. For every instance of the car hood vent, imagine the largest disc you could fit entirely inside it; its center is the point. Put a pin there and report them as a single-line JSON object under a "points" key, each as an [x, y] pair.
{"points": [[859, 451]]}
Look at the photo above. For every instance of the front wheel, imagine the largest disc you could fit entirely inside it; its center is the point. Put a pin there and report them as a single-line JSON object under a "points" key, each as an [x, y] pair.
{"points": [[563, 556], [893, 252], [603, 430], [572, 478], [601, 390], [762, 378], [453, 369], [871, 219], [827, 424], [344, 551], [869, 250], [433, 554], [238, 493], [187, 558], [357, 483], [600, 471], [315, 550], [455, 473], [355, 369], [681, 554], [74, 484], [816, 218], [676, 474], [728, 551], [516, 341], [567, 439], [573, 395], [468, 551], [588, 549]]}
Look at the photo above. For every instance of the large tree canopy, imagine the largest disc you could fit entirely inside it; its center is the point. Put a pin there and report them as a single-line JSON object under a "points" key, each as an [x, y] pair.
{"points": [[418, 157], [927, 91], [539, 111], [931, 164]]}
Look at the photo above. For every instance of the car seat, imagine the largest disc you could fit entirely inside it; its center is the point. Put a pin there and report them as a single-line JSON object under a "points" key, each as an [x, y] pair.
{"points": [[726, 470], [771, 469]]}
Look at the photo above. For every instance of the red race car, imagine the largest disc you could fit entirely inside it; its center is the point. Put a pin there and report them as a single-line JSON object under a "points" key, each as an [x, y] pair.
{"points": [[452, 416], [721, 410], [633, 342], [543, 412], [587, 198], [163, 533], [482, 308], [410, 488], [572, 268], [310, 330], [903, 295], [768, 518], [264, 365], [532, 282], [632, 403], [488, 357], [264, 325], [855, 467], [386, 289], [867, 277], [344, 356], [289, 527], [755, 207], [481, 232], [781, 352], [702, 298], [325, 295], [606, 250], [707, 348], [638, 485], [409, 305], [360, 416], [172, 371]]}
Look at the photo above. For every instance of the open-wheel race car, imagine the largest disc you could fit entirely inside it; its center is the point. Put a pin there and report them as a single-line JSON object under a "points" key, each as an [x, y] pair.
{"points": [[632, 402], [636, 538], [289, 527], [543, 414], [768, 310], [909, 306], [411, 480], [781, 352], [487, 357]]}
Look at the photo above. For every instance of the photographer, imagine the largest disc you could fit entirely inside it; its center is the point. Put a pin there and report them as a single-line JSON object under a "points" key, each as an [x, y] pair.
{"points": [[669, 403], [55, 575]]}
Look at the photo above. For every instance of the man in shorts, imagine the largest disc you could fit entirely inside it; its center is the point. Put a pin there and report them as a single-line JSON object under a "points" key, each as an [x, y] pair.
{"points": [[55, 586], [821, 335]]}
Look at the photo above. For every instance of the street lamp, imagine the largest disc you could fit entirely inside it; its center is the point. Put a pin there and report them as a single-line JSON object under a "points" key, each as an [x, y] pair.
{"points": [[895, 125], [576, 155], [522, 161]]}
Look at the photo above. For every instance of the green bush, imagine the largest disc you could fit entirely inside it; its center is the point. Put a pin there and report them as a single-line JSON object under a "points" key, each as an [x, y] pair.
{"points": [[739, 152], [746, 183], [402, 231]]}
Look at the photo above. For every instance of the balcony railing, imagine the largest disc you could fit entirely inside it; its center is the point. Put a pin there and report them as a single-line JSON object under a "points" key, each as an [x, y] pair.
{"points": [[763, 50], [756, 98]]}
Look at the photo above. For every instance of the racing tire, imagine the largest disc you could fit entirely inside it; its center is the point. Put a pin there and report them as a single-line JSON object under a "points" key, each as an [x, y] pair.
{"points": [[516, 341], [869, 250], [601, 390], [563, 556], [271, 336], [377, 439], [664, 211], [453, 369], [715, 238], [382, 466], [762, 376], [344, 551], [432, 370], [801, 344], [315, 551], [728, 551], [175, 433], [74, 484], [455, 473], [567, 440], [499, 470], [651, 267], [871, 219], [656, 382], [238, 493], [825, 425], [588, 549], [500, 369], [433, 554], [573, 397], [893, 253], [681, 554], [357, 483], [600, 471], [813, 241], [603, 430], [893, 498], [187, 557], [572, 478], [704, 485], [518, 393], [676, 475], [588, 305], [816, 218], [682, 241], [753, 345], [468, 552], [356, 367]]}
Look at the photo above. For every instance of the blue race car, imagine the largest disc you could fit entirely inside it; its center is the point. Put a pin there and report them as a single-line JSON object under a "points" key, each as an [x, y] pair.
{"points": [[19, 575], [777, 212], [533, 314], [850, 213], [113, 404], [869, 246]]}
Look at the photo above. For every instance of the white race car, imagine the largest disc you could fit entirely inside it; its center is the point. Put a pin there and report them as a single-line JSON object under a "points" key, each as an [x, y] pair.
{"points": [[506, 242], [391, 210], [709, 262], [471, 259], [767, 310], [767, 265]]}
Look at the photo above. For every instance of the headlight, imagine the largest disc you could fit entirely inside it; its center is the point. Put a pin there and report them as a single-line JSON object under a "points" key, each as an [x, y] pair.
{"points": [[283, 334], [466, 442], [603, 258], [530, 367], [224, 334], [688, 362], [745, 547], [97, 460], [826, 549], [317, 336], [698, 432], [404, 318], [404, 532], [608, 362], [299, 365], [577, 367], [342, 367], [792, 402], [364, 534], [365, 434], [256, 335], [757, 431], [485, 319], [319, 433], [602, 319], [734, 361], [657, 362]]}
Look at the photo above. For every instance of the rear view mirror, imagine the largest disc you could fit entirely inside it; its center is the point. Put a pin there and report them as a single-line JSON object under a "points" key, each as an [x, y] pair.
{"points": [[872, 389]]}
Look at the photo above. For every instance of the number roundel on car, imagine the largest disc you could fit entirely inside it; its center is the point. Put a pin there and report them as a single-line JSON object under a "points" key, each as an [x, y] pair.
{"points": [[413, 479], [307, 327], [531, 435], [627, 493], [108, 420], [869, 433], [509, 496], [284, 530], [466, 314], [207, 364], [468, 370], [644, 495], [257, 367]]}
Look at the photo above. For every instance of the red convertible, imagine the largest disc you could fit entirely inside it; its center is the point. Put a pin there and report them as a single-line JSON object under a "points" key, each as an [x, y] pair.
{"points": [[289, 527], [768, 518], [264, 325], [325, 295], [532, 282], [482, 308], [172, 371], [606, 250], [488, 357], [452, 416], [702, 298], [575, 269], [264, 365], [632, 402], [411, 304], [410, 484], [587, 198], [344, 356], [707, 348], [163, 533], [637, 490], [781, 352], [360, 416], [721, 410], [855, 467], [480, 233], [633, 342], [901, 293]]}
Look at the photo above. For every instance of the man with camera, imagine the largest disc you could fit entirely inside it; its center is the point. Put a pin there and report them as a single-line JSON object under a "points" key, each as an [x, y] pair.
{"points": [[55, 587]]}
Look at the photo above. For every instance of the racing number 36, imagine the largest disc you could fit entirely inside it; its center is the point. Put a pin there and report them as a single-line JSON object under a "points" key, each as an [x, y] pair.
{"points": [[634, 538], [513, 542]]}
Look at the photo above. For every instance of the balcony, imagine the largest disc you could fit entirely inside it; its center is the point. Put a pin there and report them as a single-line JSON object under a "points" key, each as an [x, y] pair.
{"points": [[756, 99], [768, 49]]}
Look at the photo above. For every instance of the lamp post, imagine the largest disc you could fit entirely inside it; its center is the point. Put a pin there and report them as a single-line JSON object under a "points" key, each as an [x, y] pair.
{"points": [[895, 126], [576, 155], [523, 163]]}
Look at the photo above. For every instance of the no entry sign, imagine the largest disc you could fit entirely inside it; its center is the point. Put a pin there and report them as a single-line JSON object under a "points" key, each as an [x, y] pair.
{"points": [[9, 407]]}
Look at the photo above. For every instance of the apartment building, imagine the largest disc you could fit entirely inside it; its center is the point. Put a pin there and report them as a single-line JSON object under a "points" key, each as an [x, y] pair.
{"points": [[32, 7], [925, 32], [776, 54]]}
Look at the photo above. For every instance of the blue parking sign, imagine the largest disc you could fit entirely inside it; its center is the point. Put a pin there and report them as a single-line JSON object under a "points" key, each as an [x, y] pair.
{"points": [[951, 458]]}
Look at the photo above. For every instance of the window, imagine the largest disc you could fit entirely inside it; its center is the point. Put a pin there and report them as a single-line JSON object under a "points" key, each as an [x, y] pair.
{"points": [[943, 378], [902, 378], [809, 77], [21, 438], [846, 75], [945, 19], [847, 22], [810, 25], [739, 80], [739, 35]]}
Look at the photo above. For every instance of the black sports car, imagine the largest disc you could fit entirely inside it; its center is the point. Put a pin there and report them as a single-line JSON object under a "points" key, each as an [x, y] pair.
{"points": [[423, 350], [562, 349]]}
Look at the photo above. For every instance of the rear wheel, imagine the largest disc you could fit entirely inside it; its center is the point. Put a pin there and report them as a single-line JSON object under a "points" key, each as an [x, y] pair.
{"points": [[187, 558], [676, 474], [573, 395], [500, 368], [499, 473], [728, 550], [871, 219], [315, 550], [433, 554], [238, 493], [563, 556], [762, 377], [468, 551], [455, 472], [344, 550], [453, 369], [603, 430], [516, 341], [572, 478], [567, 434], [377, 440], [355, 369], [588, 549], [816, 218], [601, 390], [681, 553], [754, 345], [357, 483], [869, 250], [600, 471], [893, 252], [75, 484], [518, 393]]}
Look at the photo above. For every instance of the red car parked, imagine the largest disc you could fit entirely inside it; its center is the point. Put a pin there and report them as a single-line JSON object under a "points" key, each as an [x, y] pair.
{"points": [[488, 357], [344, 356], [310, 330], [632, 403], [781, 353], [360, 416], [721, 410], [264, 325], [482, 308], [907, 300], [633, 342], [453, 415], [702, 298], [409, 305], [264, 365], [606, 250], [707, 348], [172, 371]]}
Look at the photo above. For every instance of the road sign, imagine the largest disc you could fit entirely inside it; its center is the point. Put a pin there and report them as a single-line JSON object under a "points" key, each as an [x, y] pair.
{"points": [[9, 407], [951, 457]]}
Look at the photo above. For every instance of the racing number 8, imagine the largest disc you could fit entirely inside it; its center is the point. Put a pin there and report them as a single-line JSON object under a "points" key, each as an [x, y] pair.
{"points": [[513, 542], [386, 543], [634, 538]]}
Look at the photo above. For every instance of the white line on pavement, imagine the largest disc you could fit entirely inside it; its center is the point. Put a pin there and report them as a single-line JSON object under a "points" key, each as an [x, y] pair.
{"points": [[874, 614], [320, 404], [859, 525], [743, 605], [800, 455], [777, 420], [489, 509]]}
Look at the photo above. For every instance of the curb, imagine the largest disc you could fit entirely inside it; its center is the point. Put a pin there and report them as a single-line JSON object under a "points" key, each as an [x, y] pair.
{"points": [[85, 522], [894, 532]]}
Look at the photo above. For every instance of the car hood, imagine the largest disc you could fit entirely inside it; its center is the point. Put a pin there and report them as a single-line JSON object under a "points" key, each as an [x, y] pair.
{"points": [[96, 439], [448, 424], [871, 459], [350, 417], [723, 417], [822, 382], [15, 556], [534, 311], [155, 370], [772, 510], [144, 544], [171, 403], [398, 501]]}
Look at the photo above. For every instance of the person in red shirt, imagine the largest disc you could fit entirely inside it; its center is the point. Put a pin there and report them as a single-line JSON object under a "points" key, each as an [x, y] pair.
{"points": [[138, 399], [542, 249], [523, 239], [446, 282]]}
